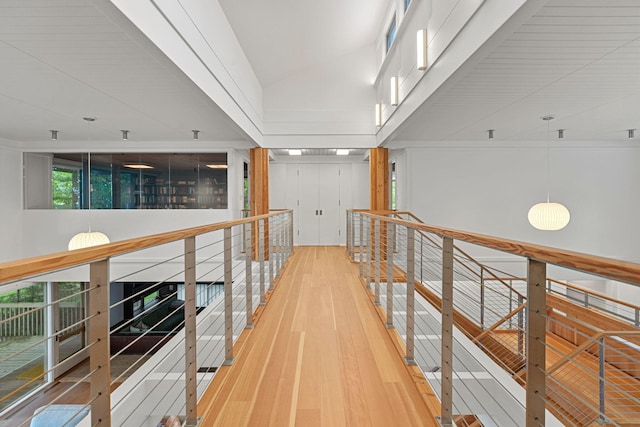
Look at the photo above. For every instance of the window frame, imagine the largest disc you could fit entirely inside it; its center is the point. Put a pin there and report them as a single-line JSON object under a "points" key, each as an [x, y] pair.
{"points": [[392, 29]]}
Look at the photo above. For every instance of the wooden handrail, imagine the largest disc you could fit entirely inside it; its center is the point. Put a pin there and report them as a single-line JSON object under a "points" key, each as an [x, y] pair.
{"points": [[469, 257], [588, 343], [501, 321], [595, 293], [29, 267], [600, 266], [577, 288]]}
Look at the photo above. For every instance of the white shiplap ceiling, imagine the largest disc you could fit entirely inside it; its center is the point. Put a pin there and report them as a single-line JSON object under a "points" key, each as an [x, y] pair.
{"points": [[576, 59], [66, 59]]}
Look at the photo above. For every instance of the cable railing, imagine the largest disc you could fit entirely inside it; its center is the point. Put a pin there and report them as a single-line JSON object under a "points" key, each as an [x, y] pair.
{"points": [[537, 330], [141, 348]]}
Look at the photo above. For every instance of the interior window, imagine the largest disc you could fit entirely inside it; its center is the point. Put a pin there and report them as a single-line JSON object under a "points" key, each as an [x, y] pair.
{"points": [[391, 33]]}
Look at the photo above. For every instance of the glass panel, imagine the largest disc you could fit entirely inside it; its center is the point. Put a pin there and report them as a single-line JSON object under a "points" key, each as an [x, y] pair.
{"points": [[22, 333], [391, 34], [245, 186], [393, 186], [101, 183], [137, 180], [70, 315]]}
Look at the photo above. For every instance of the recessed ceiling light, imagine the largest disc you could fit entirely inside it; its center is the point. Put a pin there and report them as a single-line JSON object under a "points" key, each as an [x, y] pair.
{"points": [[218, 166], [137, 166], [342, 151], [295, 152]]}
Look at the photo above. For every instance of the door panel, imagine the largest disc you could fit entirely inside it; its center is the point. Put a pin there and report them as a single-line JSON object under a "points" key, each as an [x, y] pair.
{"points": [[328, 204], [308, 225], [345, 200]]}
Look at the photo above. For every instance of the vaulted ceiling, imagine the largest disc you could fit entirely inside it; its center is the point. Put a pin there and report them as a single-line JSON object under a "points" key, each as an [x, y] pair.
{"points": [[63, 60], [66, 59], [578, 60]]}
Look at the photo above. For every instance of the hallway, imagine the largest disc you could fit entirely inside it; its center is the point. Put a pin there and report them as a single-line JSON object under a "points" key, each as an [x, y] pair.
{"points": [[318, 356]]}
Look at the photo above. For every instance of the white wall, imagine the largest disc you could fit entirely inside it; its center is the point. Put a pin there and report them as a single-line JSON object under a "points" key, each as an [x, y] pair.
{"points": [[333, 101], [489, 188], [11, 205]]}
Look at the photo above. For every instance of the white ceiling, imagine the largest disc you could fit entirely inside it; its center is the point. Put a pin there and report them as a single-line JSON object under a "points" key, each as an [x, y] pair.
{"points": [[66, 59], [283, 37], [576, 59]]}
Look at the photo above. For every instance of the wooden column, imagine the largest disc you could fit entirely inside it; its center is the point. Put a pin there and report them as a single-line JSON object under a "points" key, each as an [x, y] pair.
{"points": [[259, 192], [379, 179], [379, 191]]}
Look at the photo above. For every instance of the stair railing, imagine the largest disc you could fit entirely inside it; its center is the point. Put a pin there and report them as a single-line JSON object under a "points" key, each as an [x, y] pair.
{"points": [[431, 267]]}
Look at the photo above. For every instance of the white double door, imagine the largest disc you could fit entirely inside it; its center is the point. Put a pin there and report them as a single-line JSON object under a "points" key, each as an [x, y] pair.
{"points": [[322, 193]]}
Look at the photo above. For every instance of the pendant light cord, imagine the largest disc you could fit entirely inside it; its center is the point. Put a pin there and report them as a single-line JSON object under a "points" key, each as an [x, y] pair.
{"points": [[548, 120], [548, 159]]}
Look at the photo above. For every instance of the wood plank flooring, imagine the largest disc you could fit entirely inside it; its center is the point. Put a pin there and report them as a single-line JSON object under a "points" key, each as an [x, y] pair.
{"points": [[318, 356]]}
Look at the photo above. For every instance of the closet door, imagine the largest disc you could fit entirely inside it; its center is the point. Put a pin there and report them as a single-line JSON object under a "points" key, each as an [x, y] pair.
{"points": [[329, 204], [308, 211]]}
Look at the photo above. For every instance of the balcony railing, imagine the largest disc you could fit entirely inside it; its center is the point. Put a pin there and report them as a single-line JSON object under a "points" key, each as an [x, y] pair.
{"points": [[575, 352], [180, 327]]}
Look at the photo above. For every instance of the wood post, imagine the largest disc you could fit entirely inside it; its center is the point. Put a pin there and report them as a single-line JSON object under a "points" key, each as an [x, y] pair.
{"points": [[379, 179], [99, 352], [190, 337], [536, 339], [446, 417], [379, 189], [259, 191]]}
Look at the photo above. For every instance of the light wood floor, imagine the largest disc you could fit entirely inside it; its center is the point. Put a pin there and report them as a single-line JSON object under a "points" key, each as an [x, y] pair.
{"points": [[318, 356]]}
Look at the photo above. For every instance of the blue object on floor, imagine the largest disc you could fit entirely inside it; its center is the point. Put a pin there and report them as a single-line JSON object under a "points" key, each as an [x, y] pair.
{"points": [[58, 415]]}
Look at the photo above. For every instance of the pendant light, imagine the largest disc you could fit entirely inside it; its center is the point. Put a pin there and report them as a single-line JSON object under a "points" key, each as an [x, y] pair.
{"points": [[548, 215], [90, 238]]}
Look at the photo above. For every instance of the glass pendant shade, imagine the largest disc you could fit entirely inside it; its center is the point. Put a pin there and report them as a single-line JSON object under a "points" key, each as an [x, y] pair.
{"points": [[85, 240], [549, 216]]}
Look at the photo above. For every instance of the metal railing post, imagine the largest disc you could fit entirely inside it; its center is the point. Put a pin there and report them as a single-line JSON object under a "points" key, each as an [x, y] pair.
{"points": [[270, 238], [520, 328], [361, 247], [376, 244], [261, 249], [291, 231], [99, 352], [446, 418], [603, 418], [637, 317], [586, 299], [536, 340], [248, 266], [482, 298], [369, 254], [228, 298], [391, 227], [280, 244], [348, 235], [409, 359], [190, 336]]}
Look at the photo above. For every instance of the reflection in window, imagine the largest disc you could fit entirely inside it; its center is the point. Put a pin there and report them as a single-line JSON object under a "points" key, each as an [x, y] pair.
{"points": [[133, 181], [391, 33]]}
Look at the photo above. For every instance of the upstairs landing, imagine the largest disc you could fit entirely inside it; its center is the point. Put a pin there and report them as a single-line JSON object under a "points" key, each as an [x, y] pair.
{"points": [[318, 356]]}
